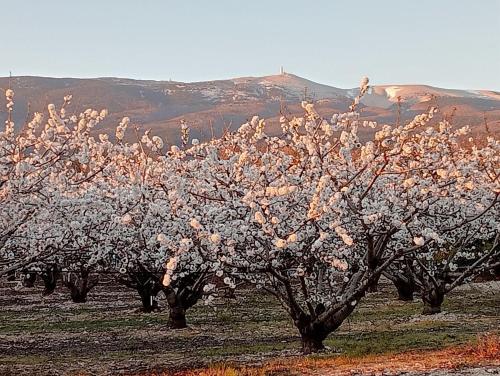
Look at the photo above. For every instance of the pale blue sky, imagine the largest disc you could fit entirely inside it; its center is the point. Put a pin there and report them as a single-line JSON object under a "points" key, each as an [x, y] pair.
{"points": [[448, 43]]}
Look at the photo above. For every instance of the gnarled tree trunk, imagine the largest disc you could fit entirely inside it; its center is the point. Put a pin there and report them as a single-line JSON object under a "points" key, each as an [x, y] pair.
{"points": [[79, 285], [177, 312], [29, 279], [373, 262], [405, 290], [11, 276], [314, 331], [148, 295], [312, 337], [433, 299], [182, 295], [374, 286], [147, 283], [312, 343], [49, 277], [403, 279], [405, 284], [177, 317]]}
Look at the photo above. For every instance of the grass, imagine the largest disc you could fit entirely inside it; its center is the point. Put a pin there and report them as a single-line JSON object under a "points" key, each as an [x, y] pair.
{"points": [[257, 348], [70, 325], [24, 359], [51, 334], [481, 350], [386, 342]]}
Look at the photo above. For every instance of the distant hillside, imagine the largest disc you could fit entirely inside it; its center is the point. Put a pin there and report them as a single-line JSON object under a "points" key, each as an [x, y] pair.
{"points": [[215, 105]]}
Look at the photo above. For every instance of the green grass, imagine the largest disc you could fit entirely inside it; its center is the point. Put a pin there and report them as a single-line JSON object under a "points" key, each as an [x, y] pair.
{"points": [[66, 324], [388, 311], [258, 348], [474, 303], [385, 342], [24, 359]]}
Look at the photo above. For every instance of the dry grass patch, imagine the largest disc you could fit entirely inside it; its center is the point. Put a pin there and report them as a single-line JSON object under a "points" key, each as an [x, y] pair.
{"points": [[486, 350]]}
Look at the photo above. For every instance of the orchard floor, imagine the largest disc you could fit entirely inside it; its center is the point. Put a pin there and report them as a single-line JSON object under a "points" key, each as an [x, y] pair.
{"points": [[108, 335]]}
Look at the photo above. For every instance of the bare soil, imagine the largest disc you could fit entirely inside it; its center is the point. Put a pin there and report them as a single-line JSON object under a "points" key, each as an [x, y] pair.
{"points": [[109, 334]]}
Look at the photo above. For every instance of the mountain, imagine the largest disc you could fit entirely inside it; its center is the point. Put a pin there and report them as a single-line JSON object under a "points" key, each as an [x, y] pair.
{"points": [[212, 106]]}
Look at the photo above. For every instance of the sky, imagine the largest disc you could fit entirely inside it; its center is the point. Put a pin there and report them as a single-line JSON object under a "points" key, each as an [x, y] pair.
{"points": [[446, 43]]}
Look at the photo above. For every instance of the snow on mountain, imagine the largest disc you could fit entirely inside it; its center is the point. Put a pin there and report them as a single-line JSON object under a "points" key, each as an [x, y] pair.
{"points": [[385, 96]]}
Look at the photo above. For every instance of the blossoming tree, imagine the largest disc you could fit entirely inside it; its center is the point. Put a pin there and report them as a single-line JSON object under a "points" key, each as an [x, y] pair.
{"points": [[315, 216], [48, 169], [151, 225], [464, 227]]}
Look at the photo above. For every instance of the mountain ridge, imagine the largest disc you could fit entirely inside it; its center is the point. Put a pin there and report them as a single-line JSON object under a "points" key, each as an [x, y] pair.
{"points": [[236, 79], [223, 104]]}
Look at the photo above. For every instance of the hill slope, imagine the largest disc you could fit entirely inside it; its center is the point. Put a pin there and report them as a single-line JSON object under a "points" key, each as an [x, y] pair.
{"points": [[211, 106]]}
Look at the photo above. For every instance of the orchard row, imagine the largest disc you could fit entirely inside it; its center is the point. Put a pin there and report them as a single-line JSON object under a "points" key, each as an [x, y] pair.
{"points": [[314, 216]]}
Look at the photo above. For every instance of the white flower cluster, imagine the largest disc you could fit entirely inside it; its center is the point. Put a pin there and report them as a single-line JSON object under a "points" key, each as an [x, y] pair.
{"points": [[122, 127]]}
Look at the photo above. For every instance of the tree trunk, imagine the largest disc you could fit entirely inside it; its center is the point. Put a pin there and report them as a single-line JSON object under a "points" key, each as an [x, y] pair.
{"points": [[78, 295], [49, 278], [79, 285], [433, 300], [374, 286], [311, 344], [11, 276], [406, 288], [148, 299], [313, 333], [146, 283], [50, 287], [29, 279], [405, 292], [177, 317]]}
